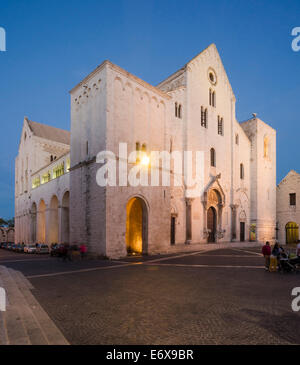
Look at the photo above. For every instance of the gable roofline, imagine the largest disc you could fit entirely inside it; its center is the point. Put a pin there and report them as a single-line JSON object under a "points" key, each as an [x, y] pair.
{"points": [[48, 132], [291, 172], [125, 73], [184, 68]]}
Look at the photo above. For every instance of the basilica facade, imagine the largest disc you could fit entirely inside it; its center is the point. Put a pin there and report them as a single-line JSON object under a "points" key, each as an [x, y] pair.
{"points": [[58, 197]]}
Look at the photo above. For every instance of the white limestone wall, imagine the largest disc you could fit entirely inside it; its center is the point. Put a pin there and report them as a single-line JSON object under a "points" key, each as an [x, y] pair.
{"points": [[263, 180], [137, 113], [285, 212], [241, 187], [203, 139], [88, 137]]}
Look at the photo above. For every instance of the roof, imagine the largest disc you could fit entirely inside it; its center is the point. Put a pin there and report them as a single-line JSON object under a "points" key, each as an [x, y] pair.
{"points": [[48, 132], [289, 174]]}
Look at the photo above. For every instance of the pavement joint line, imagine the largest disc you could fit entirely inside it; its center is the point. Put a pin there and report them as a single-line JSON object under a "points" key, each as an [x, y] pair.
{"points": [[2, 262], [77, 271], [253, 253], [177, 256], [209, 266]]}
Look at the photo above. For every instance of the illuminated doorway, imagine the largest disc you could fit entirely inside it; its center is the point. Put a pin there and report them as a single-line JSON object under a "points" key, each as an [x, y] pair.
{"points": [[292, 232], [136, 226]]}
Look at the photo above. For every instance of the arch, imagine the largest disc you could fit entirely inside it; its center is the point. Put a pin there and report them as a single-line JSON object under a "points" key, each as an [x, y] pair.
{"points": [[65, 218], [10, 235], [33, 213], [53, 221], [292, 232], [41, 222], [2, 235], [136, 226]]}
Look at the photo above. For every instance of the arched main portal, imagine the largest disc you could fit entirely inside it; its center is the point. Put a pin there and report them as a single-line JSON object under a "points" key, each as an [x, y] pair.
{"points": [[65, 218], [54, 225], [292, 232], [211, 224], [136, 226], [33, 222], [41, 222]]}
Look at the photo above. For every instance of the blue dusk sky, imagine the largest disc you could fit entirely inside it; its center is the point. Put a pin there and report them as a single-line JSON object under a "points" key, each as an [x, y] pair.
{"points": [[52, 45]]}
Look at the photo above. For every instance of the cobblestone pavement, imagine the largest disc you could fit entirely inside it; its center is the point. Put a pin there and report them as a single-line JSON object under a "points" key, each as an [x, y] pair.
{"points": [[216, 297]]}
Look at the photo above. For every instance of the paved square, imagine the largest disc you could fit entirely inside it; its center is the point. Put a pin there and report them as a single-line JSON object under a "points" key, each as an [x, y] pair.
{"points": [[215, 297]]}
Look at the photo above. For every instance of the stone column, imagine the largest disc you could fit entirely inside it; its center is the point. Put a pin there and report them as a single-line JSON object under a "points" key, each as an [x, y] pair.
{"points": [[47, 224], [188, 229]]}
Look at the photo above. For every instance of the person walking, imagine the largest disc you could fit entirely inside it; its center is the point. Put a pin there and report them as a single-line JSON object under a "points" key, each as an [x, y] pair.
{"points": [[266, 251], [83, 250]]}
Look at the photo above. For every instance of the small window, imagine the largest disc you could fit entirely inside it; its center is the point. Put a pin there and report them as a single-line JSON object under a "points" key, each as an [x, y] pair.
{"points": [[212, 157], [214, 99], [242, 173], [237, 139], [179, 111], [220, 126], [138, 149], [266, 147], [176, 110], [293, 199], [203, 117]]}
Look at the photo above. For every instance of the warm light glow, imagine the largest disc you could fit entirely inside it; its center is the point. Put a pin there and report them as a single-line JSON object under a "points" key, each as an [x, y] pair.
{"points": [[145, 160]]}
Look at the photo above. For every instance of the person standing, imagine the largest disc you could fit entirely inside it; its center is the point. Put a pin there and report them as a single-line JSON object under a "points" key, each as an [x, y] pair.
{"points": [[266, 251], [83, 250]]}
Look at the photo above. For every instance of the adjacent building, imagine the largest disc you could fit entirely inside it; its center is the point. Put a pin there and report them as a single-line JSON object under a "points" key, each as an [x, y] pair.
{"points": [[288, 208]]}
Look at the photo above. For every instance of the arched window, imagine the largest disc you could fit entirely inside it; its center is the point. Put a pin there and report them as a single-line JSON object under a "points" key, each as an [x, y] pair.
{"points": [[176, 110], [144, 147], [236, 139], [220, 126], [266, 147], [203, 117], [138, 151], [242, 171], [212, 157], [214, 99], [179, 111]]}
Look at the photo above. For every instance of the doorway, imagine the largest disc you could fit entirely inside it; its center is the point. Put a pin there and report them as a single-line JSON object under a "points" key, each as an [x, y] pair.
{"points": [[242, 231], [136, 226], [211, 224]]}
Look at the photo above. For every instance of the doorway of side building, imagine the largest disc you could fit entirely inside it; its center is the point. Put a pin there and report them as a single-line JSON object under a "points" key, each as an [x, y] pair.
{"points": [[211, 224], [173, 229], [242, 231], [292, 232], [136, 226]]}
